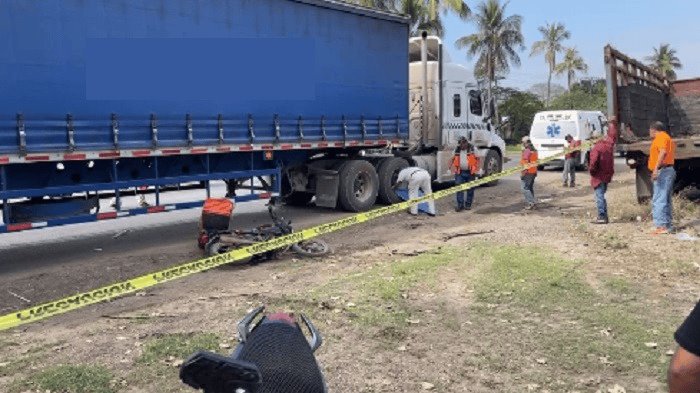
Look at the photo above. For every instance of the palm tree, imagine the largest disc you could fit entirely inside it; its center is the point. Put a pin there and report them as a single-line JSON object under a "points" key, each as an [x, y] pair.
{"points": [[665, 61], [571, 64], [496, 42], [423, 14], [552, 37]]}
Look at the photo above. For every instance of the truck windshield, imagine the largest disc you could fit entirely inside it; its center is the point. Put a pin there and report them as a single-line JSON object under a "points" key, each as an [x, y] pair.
{"points": [[553, 129]]}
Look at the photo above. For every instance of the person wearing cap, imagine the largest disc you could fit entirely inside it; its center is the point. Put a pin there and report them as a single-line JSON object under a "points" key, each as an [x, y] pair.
{"points": [[464, 166], [660, 163], [528, 175], [570, 161], [601, 167]]}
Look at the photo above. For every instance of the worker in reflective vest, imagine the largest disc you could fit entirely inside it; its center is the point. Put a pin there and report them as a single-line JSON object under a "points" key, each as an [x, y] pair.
{"points": [[528, 175], [464, 166]]}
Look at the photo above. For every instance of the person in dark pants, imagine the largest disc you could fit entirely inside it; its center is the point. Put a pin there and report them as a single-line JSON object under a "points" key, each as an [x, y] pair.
{"points": [[527, 176], [464, 166], [602, 167], [684, 370]]}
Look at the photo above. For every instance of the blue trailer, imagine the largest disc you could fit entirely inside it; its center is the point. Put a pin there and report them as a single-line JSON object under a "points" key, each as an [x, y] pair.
{"points": [[103, 96]]}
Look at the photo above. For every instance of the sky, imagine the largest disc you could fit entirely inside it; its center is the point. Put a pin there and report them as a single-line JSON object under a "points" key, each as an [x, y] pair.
{"points": [[634, 27]]}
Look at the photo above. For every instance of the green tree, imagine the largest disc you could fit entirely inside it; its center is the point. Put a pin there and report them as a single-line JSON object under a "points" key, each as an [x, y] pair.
{"points": [[496, 42], [665, 61], [584, 95], [424, 14], [553, 36], [520, 108], [571, 64]]}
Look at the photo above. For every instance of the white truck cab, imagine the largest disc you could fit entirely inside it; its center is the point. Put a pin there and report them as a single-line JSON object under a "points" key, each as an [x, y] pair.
{"points": [[444, 105], [549, 129]]}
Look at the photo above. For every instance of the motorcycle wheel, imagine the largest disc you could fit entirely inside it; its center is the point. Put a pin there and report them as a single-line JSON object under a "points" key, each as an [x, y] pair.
{"points": [[311, 248]]}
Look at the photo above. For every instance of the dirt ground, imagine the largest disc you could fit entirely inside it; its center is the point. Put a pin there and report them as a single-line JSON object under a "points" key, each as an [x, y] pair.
{"points": [[493, 299]]}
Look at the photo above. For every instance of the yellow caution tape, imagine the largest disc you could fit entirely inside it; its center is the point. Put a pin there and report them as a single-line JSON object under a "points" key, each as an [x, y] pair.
{"points": [[115, 290]]}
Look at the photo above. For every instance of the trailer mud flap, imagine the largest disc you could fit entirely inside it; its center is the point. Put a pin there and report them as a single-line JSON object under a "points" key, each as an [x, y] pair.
{"points": [[327, 183]]}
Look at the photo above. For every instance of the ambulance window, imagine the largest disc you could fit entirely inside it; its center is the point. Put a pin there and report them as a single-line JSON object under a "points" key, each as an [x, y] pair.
{"points": [[475, 103], [457, 103]]}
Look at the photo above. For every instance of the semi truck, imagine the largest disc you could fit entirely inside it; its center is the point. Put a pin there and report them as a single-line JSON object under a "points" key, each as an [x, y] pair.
{"points": [[638, 95], [309, 99]]}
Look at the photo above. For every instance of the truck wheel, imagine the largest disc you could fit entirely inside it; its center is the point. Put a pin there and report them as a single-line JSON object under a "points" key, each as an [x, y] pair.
{"points": [[492, 164], [387, 171], [359, 185]]}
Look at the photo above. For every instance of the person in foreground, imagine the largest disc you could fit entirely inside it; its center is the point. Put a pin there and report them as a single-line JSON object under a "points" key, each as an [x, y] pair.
{"points": [[601, 166], [464, 167], [527, 176], [661, 159], [417, 179], [684, 370]]}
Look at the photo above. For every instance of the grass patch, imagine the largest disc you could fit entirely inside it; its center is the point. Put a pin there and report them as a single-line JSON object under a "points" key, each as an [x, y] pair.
{"points": [[586, 329], [178, 346], [158, 366], [70, 379], [684, 208], [618, 286], [612, 241], [380, 295]]}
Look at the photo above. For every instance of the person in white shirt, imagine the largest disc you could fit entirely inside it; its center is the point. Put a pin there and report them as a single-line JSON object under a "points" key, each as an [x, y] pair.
{"points": [[417, 179]]}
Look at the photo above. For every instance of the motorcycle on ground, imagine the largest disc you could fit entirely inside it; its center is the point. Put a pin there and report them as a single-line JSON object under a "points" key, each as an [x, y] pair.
{"points": [[221, 241]]}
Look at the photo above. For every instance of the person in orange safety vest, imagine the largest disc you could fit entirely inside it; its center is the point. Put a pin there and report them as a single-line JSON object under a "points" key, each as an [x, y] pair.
{"points": [[528, 175], [465, 165]]}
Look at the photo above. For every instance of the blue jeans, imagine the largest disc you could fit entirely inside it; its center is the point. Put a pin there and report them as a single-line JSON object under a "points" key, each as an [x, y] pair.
{"points": [[661, 200], [569, 170], [600, 200], [461, 178], [527, 183]]}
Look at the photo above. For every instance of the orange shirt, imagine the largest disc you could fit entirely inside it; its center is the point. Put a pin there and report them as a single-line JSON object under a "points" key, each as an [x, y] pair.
{"points": [[662, 141], [529, 157]]}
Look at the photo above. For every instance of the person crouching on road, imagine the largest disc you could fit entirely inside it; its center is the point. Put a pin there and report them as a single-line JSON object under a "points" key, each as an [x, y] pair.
{"points": [[601, 166], [528, 175], [464, 166], [661, 160], [570, 160], [417, 179]]}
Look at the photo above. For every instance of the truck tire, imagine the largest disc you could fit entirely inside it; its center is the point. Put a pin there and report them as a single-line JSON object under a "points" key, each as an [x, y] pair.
{"points": [[358, 185], [387, 171], [493, 163]]}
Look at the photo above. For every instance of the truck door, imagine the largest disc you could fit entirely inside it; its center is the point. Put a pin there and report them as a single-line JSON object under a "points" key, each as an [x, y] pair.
{"points": [[455, 115], [454, 126]]}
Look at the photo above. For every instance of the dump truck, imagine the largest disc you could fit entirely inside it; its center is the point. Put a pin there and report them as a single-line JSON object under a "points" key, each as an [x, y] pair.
{"points": [[309, 99], [639, 95]]}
